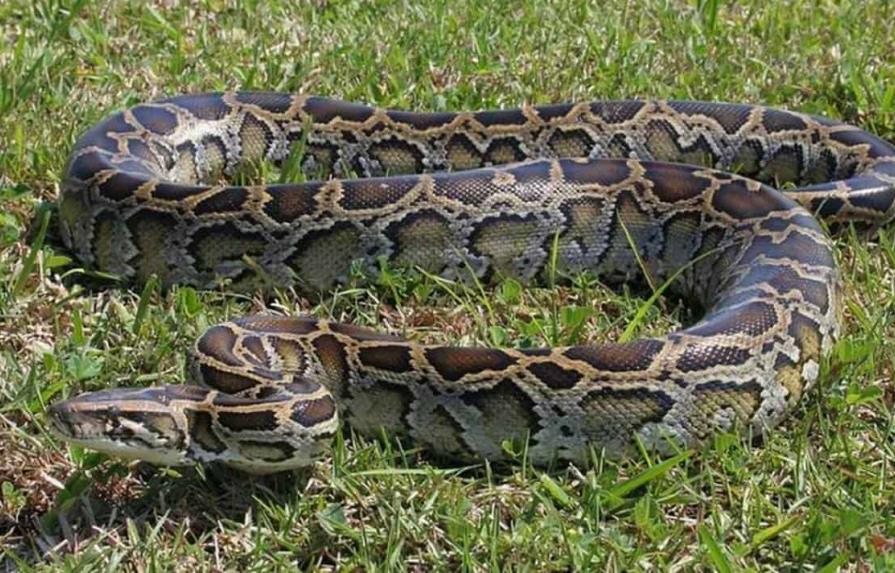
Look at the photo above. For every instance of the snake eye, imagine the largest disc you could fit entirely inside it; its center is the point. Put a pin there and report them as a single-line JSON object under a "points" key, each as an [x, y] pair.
{"points": [[119, 431]]}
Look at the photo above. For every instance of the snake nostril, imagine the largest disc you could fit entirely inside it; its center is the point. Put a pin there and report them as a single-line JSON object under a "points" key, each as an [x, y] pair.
{"points": [[56, 414], [56, 410]]}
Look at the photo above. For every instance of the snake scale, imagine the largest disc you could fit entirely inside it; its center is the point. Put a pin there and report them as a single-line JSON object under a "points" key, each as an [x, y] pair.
{"points": [[681, 191]]}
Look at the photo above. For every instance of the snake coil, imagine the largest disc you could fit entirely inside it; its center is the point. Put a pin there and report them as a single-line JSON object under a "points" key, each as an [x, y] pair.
{"points": [[146, 193]]}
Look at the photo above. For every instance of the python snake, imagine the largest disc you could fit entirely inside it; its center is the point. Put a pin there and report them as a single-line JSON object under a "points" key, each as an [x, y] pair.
{"points": [[150, 191]]}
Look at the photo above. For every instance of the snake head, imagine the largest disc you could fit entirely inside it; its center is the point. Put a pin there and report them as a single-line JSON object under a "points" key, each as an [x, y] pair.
{"points": [[129, 423], [281, 430]]}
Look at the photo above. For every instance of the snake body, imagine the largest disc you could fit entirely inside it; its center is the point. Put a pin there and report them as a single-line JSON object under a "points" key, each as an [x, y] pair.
{"points": [[677, 190]]}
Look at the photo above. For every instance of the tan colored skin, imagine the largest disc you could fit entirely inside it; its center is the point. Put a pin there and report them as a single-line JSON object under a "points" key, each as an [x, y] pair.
{"points": [[141, 198]]}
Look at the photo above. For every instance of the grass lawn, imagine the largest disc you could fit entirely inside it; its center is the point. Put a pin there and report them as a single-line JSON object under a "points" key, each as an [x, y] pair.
{"points": [[819, 494]]}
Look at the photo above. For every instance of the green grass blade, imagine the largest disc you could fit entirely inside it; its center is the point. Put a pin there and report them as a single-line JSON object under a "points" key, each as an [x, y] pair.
{"points": [[620, 491], [31, 258], [719, 561]]}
